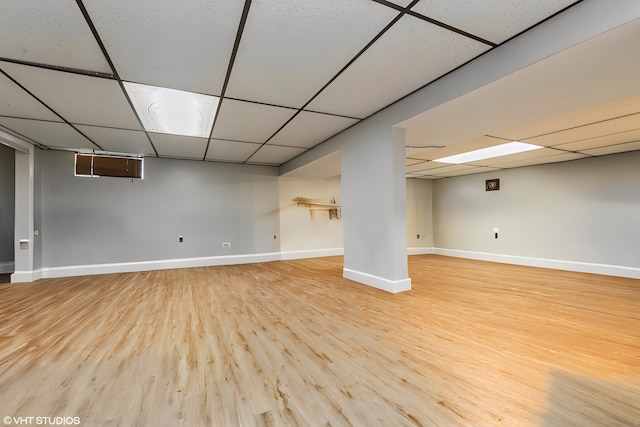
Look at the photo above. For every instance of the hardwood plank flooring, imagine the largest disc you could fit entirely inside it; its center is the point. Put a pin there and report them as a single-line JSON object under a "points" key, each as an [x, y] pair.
{"points": [[292, 343]]}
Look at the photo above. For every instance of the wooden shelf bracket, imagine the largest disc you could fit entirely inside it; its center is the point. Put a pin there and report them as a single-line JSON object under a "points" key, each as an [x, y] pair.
{"points": [[319, 205]]}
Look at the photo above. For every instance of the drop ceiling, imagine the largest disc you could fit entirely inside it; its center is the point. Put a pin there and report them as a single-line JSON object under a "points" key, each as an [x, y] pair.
{"points": [[290, 74]]}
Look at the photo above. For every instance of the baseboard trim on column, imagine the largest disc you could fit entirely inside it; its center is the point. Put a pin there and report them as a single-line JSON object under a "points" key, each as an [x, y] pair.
{"points": [[26, 276], [393, 286]]}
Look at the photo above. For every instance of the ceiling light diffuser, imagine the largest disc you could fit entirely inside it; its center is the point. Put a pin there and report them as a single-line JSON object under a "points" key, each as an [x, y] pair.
{"points": [[489, 152], [172, 111]]}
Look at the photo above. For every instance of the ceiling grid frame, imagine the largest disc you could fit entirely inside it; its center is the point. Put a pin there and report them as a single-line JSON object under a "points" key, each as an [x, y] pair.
{"points": [[285, 134]]}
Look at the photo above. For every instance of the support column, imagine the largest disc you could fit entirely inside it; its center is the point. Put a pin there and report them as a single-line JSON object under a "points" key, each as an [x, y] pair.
{"points": [[374, 209]]}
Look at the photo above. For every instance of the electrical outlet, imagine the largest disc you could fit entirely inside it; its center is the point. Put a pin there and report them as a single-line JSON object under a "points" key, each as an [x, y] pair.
{"points": [[226, 244], [180, 239]]}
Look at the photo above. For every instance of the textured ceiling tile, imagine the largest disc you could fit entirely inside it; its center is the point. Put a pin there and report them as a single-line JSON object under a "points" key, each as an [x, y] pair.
{"points": [[458, 148], [78, 98], [452, 170], [49, 134], [14, 101], [119, 140], [425, 177], [274, 154], [555, 158], [424, 165], [524, 156], [492, 20], [408, 56], [603, 128], [409, 161], [177, 146], [290, 49], [462, 171], [308, 129], [230, 151], [592, 114], [249, 122], [403, 3], [49, 32], [621, 148], [176, 44], [602, 141]]}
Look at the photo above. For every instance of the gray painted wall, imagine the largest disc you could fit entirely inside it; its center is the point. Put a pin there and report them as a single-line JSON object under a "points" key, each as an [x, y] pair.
{"points": [[7, 203], [110, 220], [584, 210]]}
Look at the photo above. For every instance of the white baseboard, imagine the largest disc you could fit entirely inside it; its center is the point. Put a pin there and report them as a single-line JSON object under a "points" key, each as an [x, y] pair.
{"points": [[420, 251], [368, 279], [583, 267], [311, 253], [393, 286], [26, 276], [127, 267], [7, 267]]}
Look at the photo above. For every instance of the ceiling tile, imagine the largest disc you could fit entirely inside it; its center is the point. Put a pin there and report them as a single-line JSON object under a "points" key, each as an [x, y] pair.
{"points": [[290, 49], [454, 170], [621, 148], [308, 129], [426, 177], [573, 119], [248, 121], [22, 137], [49, 134], [119, 140], [458, 148], [607, 127], [180, 45], [403, 3], [274, 154], [49, 32], [602, 141], [527, 155], [423, 165], [230, 151], [492, 20], [78, 98], [463, 171], [178, 146], [14, 101], [409, 161], [563, 157], [408, 56]]}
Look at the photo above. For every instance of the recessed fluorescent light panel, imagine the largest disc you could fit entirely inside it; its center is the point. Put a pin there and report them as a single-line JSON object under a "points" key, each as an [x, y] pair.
{"points": [[489, 152], [171, 111]]}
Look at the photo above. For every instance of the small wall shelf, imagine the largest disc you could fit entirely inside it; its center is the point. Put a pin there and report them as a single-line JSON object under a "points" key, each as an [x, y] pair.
{"points": [[319, 205]]}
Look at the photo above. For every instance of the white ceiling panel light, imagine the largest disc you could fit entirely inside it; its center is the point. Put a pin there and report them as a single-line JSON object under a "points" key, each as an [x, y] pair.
{"points": [[489, 152], [172, 111]]}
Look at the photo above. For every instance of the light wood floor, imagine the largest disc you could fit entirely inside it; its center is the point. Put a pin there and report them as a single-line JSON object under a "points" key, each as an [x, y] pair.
{"points": [[294, 344]]}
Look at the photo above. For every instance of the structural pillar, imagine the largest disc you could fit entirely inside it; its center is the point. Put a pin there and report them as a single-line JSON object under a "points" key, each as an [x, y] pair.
{"points": [[374, 209]]}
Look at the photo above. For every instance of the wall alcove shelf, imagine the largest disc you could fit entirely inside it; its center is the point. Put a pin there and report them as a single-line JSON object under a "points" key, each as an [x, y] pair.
{"points": [[319, 205]]}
